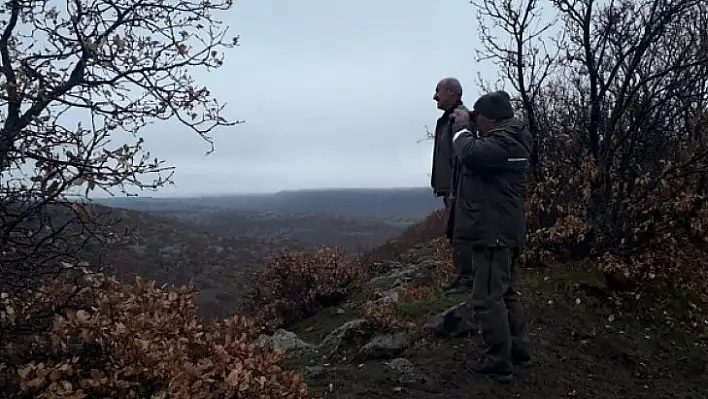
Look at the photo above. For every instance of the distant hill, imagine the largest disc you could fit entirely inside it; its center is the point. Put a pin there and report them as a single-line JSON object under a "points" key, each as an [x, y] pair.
{"points": [[218, 242], [408, 203], [168, 251], [310, 229]]}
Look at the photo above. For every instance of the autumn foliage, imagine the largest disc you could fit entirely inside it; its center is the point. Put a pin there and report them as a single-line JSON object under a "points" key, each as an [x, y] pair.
{"points": [[297, 284], [656, 236], [381, 314], [136, 341]]}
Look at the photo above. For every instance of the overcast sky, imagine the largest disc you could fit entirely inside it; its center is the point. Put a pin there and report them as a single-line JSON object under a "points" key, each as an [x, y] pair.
{"points": [[334, 94]]}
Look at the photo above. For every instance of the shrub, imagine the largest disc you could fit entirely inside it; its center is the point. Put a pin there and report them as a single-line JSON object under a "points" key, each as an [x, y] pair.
{"points": [[657, 239], [297, 284], [420, 292], [137, 341], [381, 314], [445, 270]]}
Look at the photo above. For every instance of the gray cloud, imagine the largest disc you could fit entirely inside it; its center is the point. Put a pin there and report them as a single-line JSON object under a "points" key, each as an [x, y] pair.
{"points": [[334, 93]]}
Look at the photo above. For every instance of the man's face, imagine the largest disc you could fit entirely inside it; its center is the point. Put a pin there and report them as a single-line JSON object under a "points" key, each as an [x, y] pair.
{"points": [[484, 124], [444, 97]]}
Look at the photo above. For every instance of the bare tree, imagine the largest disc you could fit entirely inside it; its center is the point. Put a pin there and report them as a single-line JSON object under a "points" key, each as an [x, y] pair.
{"points": [[619, 114], [79, 82], [124, 63], [521, 53], [644, 68]]}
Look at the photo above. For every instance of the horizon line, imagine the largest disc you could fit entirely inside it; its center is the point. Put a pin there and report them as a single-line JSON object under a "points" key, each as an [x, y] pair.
{"points": [[256, 193]]}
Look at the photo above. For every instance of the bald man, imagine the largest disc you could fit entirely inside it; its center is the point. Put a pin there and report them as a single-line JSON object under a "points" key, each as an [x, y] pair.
{"points": [[448, 98]]}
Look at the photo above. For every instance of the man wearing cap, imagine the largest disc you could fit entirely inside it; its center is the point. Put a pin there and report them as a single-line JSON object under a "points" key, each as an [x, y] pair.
{"points": [[490, 219], [448, 98]]}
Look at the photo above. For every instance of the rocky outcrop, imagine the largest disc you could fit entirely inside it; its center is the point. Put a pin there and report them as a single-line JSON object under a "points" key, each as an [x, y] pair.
{"points": [[385, 346], [341, 334], [453, 322], [284, 340], [405, 373]]}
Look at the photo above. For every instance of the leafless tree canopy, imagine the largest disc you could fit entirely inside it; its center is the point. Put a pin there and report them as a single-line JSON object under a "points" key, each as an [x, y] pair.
{"points": [[116, 65], [79, 80], [616, 96]]}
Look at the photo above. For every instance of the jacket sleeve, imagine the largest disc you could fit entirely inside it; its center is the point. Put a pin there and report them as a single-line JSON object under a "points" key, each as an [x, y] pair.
{"points": [[494, 152]]}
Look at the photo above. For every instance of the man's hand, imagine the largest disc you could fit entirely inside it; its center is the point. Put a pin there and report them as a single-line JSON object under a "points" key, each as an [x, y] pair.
{"points": [[462, 120]]}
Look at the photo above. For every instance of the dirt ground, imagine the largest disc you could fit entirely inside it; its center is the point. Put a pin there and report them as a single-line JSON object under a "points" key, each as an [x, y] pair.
{"points": [[584, 347]]}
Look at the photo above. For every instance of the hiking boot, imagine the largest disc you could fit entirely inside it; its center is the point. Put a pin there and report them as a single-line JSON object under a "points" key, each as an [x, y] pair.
{"points": [[461, 285], [458, 289], [497, 372]]}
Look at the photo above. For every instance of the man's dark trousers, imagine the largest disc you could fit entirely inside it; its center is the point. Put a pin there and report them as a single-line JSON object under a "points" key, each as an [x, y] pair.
{"points": [[461, 255], [497, 309]]}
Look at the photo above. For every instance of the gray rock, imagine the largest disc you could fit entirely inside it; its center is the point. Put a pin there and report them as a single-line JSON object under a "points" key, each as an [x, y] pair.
{"points": [[284, 340], [400, 281], [315, 371], [340, 311], [453, 322], [384, 346], [410, 254], [391, 294], [386, 300], [379, 268], [346, 331], [395, 274], [406, 373]]}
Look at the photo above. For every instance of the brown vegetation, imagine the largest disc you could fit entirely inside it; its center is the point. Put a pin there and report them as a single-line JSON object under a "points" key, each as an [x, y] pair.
{"points": [[617, 107], [160, 249], [297, 284], [135, 341], [381, 315]]}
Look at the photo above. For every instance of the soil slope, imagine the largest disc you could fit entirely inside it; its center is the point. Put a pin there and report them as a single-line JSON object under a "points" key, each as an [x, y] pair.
{"points": [[585, 344]]}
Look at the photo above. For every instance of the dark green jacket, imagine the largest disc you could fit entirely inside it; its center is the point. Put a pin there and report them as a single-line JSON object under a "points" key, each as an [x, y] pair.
{"points": [[441, 178], [489, 205]]}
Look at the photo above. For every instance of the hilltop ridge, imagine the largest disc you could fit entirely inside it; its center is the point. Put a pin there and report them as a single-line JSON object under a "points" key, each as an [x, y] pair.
{"points": [[414, 202], [589, 342]]}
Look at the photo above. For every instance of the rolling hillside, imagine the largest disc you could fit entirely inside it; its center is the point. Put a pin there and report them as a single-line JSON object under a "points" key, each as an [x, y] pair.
{"points": [[406, 203], [311, 229], [219, 248], [168, 251]]}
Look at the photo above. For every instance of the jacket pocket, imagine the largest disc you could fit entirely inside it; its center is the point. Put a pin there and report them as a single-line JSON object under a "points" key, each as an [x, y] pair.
{"points": [[469, 220]]}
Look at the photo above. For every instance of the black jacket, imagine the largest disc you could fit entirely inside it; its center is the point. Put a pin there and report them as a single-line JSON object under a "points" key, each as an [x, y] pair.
{"points": [[493, 171], [441, 179]]}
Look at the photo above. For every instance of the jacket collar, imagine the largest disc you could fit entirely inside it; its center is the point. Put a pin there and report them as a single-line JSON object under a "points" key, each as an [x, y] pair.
{"points": [[448, 112], [511, 123]]}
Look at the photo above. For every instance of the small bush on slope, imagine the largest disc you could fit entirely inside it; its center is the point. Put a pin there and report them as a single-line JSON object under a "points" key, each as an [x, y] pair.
{"points": [[381, 315], [297, 284], [137, 341]]}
